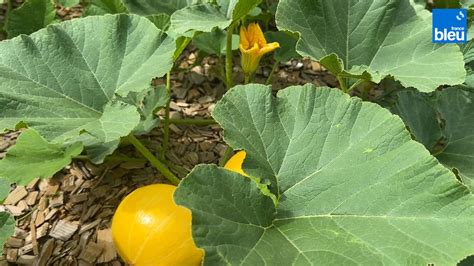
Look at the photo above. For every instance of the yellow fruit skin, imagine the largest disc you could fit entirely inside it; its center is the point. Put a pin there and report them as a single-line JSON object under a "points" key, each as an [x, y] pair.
{"points": [[235, 163], [148, 228]]}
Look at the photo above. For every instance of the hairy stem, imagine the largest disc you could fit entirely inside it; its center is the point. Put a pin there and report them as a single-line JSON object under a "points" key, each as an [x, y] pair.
{"points": [[247, 78], [342, 83], [7, 14], [228, 57], [122, 158], [357, 83], [270, 77], [166, 124], [153, 160], [195, 122]]}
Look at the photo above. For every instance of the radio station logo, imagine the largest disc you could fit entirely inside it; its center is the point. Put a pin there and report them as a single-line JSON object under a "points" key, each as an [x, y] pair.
{"points": [[449, 25]]}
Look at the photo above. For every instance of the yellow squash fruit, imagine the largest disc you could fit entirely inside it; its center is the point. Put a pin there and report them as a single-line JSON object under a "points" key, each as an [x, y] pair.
{"points": [[148, 228], [235, 163]]}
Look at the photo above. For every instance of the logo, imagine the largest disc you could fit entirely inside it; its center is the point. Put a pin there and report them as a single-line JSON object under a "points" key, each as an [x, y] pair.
{"points": [[449, 26]]}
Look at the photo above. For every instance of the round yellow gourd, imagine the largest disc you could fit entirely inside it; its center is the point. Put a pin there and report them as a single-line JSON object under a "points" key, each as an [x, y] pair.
{"points": [[235, 163], [148, 228]]}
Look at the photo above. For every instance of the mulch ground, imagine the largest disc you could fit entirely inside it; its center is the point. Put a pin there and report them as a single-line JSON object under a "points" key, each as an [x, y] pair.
{"points": [[65, 220]]}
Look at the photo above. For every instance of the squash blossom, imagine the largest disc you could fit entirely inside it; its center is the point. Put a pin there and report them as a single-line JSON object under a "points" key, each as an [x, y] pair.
{"points": [[253, 47]]}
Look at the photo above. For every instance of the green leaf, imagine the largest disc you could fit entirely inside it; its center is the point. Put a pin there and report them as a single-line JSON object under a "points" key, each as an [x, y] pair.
{"points": [[4, 189], [7, 227], [468, 51], [148, 103], [68, 3], [152, 7], [64, 80], [102, 7], [33, 156], [206, 17], [382, 38], [447, 4], [237, 9], [418, 111], [117, 120], [353, 188], [96, 149], [214, 42], [456, 107], [287, 41], [198, 18], [161, 21], [31, 16]]}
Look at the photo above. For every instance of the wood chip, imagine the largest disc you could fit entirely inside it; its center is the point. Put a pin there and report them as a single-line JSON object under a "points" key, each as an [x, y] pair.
{"points": [[23, 205], [78, 198], [39, 218], [34, 241], [51, 214], [12, 255], [91, 252], [40, 232], [25, 249], [32, 198], [89, 226], [33, 183], [57, 201], [14, 242], [46, 252], [51, 189], [16, 195], [68, 184], [130, 165], [43, 203], [26, 260], [14, 210], [104, 240], [64, 230], [20, 233]]}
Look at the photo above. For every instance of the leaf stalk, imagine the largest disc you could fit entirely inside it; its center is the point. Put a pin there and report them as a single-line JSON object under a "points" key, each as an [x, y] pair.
{"points": [[194, 122], [166, 124], [153, 160], [228, 57]]}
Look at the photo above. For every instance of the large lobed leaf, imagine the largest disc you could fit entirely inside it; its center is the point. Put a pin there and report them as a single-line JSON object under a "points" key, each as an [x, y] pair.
{"points": [[7, 227], [102, 7], [205, 17], [455, 108], [33, 156], [31, 16], [64, 80], [380, 37], [152, 7], [352, 187]]}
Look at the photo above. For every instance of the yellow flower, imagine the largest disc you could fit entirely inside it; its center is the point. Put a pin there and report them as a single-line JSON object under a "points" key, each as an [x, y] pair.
{"points": [[253, 47]]}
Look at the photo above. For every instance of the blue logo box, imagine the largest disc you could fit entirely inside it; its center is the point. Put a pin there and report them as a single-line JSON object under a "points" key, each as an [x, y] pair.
{"points": [[449, 25]]}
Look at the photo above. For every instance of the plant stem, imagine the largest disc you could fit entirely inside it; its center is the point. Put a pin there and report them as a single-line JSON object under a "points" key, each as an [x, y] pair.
{"points": [[195, 122], [227, 154], [153, 160], [112, 158], [342, 83], [357, 83], [8, 11], [166, 125], [246, 78], [270, 77], [228, 57]]}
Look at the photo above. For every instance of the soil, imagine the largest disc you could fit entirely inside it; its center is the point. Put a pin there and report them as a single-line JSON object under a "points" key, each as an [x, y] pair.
{"points": [[65, 220]]}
